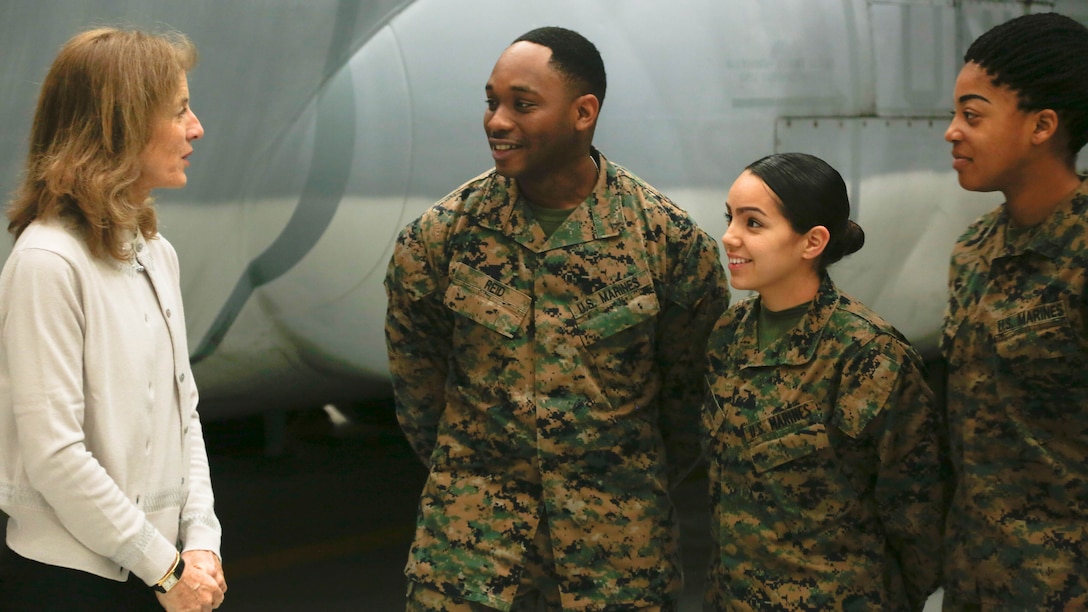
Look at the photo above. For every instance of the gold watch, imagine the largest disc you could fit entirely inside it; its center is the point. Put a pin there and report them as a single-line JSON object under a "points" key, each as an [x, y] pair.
{"points": [[171, 578]]}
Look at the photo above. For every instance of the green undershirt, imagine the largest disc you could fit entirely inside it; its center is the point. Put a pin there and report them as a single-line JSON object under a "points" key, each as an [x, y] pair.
{"points": [[549, 218], [773, 325]]}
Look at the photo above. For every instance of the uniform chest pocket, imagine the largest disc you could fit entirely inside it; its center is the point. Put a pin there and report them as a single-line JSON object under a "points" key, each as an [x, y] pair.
{"points": [[477, 296], [769, 455], [616, 308], [1039, 346], [797, 477]]}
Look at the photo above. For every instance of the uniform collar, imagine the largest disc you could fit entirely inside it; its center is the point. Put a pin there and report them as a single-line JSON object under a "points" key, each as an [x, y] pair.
{"points": [[798, 345], [498, 207], [1049, 239]]}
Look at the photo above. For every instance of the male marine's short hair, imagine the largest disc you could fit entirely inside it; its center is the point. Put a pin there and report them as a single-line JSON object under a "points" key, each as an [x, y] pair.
{"points": [[1043, 57], [573, 56]]}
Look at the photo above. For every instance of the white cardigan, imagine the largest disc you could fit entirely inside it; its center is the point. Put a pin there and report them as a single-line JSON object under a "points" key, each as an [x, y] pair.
{"points": [[102, 459]]}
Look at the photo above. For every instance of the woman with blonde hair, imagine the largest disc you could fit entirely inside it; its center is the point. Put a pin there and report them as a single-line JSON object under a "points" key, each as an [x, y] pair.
{"points": [[103, 470]]}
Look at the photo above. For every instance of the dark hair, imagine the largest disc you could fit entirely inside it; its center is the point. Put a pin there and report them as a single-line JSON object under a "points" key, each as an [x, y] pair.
{"points": [[1043, 57], [573, 56], [810, 192]]}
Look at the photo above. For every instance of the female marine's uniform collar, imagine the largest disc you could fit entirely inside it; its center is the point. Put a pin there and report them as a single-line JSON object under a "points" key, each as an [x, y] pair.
{"points": [[798, 345]]}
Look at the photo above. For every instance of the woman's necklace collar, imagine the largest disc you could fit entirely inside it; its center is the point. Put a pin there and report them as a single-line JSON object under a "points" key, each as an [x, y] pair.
{"points": [[130, 248]]}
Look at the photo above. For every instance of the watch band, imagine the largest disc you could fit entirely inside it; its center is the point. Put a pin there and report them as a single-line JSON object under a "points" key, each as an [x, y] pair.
{"points": [[171, 578]]}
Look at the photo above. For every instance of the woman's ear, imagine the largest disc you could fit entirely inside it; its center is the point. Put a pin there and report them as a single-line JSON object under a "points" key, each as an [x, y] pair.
{"points": [[1046, 125], [816, 240]]}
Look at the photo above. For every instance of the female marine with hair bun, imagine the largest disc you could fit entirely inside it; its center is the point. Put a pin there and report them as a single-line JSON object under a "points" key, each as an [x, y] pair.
{"points": [[821, 433]]}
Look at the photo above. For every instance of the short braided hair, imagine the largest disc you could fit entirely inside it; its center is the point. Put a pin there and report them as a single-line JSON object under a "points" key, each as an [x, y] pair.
{"points": [[1043, 57]]}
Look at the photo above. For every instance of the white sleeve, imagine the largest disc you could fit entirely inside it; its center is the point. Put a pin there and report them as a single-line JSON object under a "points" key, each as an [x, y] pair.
{"points": [[44, 334], [200, 528]]}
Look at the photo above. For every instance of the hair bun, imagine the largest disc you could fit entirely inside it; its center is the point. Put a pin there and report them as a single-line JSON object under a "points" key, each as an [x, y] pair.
{"points": [[853, 239]]}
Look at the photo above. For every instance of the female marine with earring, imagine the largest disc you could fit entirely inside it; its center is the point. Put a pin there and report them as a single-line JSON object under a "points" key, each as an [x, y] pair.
{"points": [[821, 433]]}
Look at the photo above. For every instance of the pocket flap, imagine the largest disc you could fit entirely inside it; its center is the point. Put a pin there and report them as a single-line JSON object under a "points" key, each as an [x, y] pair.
{"points": [[770, 454], [486, 301], [617, 307]]}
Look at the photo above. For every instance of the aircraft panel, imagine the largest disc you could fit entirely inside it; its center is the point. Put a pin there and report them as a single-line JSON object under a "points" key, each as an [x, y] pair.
{"points": [[331, 124], [903, 267]]}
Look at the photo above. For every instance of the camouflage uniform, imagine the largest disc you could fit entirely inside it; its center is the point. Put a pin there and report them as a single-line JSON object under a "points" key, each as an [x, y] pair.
{"points": [[1016, 343], [546, 379], [825, 468]]}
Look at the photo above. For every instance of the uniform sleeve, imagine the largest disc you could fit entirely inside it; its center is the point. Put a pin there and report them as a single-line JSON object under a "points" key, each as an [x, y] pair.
{"points": [[699, 295], [417, 332], [898, 412], [45, 328]]}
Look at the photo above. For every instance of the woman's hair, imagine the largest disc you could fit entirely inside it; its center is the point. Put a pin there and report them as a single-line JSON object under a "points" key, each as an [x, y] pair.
{"points": [[1042, 57], [94, 117], [810, 192]]}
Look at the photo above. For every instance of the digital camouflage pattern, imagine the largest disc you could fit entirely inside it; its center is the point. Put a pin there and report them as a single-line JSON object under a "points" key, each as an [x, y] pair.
{"points": [[1016, 343], [539, 589], [549, 378], [826, 476]]}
